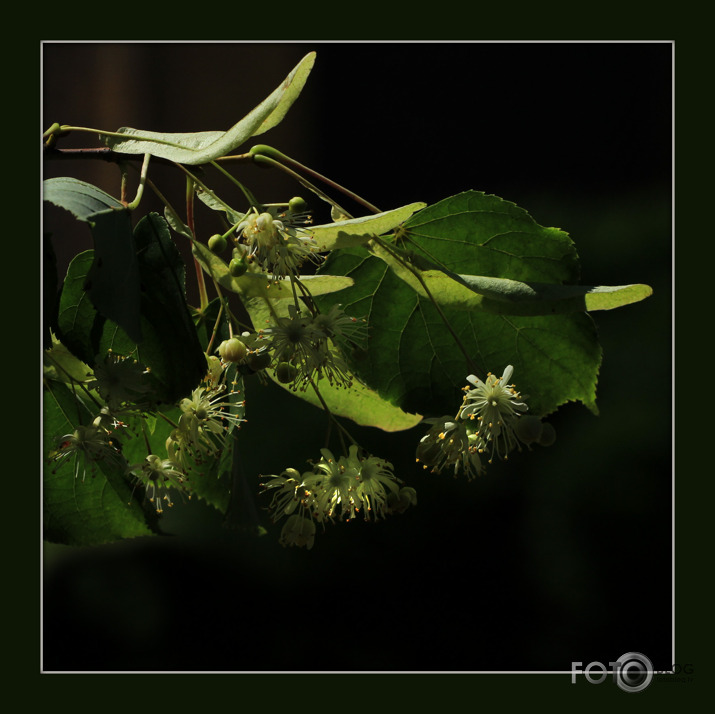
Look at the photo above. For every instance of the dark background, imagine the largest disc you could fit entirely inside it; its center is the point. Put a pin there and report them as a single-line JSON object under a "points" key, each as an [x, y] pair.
{"points": [[563, 554]]}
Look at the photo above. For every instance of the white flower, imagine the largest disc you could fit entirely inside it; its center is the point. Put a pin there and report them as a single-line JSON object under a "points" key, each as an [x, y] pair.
{"points": [[278, 248], [332, 488], [207, 417], [340, 327], [299, 341], [495, 406], [157, 476], [451, 443], [85, 447], [375, 482], [287, 493]]}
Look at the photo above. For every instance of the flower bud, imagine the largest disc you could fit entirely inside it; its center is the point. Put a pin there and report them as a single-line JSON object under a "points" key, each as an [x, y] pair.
{"points": [[297, 205], [286, 372], [232, 350], [259, 361], [217, 243], [237, 267]]}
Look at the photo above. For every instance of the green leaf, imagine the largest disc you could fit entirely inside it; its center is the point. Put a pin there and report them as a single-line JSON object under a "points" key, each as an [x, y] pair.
{"points": [[176, 224], [170, 347], [99, 509], [78, 197], [474, 233], [506, 295], [357, 231], [413, 360], [113, 279], [61, 365], [502, 296], [203, 147], [77, 315], [360, 403]]}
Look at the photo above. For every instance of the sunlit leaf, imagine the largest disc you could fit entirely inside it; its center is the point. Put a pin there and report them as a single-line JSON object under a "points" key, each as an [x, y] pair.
{"points": [[419, 356], [357, 231]]}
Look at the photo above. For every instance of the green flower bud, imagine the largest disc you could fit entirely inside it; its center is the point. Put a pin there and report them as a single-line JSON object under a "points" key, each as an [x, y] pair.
{"points": [[286, 372], [297, 205], [217, 243], [237, 267], [259, 361], [232, 350]]}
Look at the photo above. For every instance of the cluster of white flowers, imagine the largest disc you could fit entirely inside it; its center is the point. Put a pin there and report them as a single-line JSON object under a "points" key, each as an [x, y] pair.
{"points": [[312, 346], [490, 421], [207, 416], [335, 489], [157, 476], [279, 248], [86, 447]]}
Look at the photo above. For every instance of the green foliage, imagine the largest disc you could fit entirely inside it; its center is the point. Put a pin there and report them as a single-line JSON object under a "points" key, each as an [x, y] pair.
{"points": [[385, 320], [97, 507]]}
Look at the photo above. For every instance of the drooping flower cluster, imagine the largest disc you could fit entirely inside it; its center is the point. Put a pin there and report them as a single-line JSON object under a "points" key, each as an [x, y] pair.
{"points": [[487, 424], [207, 416], [313, 346], [495, 406], [335, 489], [157, 476], [279, 248], [87, 447]]}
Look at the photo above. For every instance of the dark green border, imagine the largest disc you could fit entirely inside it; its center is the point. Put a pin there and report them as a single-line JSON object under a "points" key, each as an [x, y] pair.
{"points": [[432, 690]]}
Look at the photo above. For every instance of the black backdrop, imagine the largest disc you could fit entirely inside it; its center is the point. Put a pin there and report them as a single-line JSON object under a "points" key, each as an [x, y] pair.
{"points": [[561, 555]]}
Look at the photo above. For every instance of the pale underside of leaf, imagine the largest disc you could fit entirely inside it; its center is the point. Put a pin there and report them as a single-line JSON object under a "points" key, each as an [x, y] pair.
{"points": [[502, 296], [205, 146], [80, 198]]}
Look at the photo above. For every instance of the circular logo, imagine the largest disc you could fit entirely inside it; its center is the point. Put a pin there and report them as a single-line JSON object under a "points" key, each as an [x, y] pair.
{"points": [[634, 672]]}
